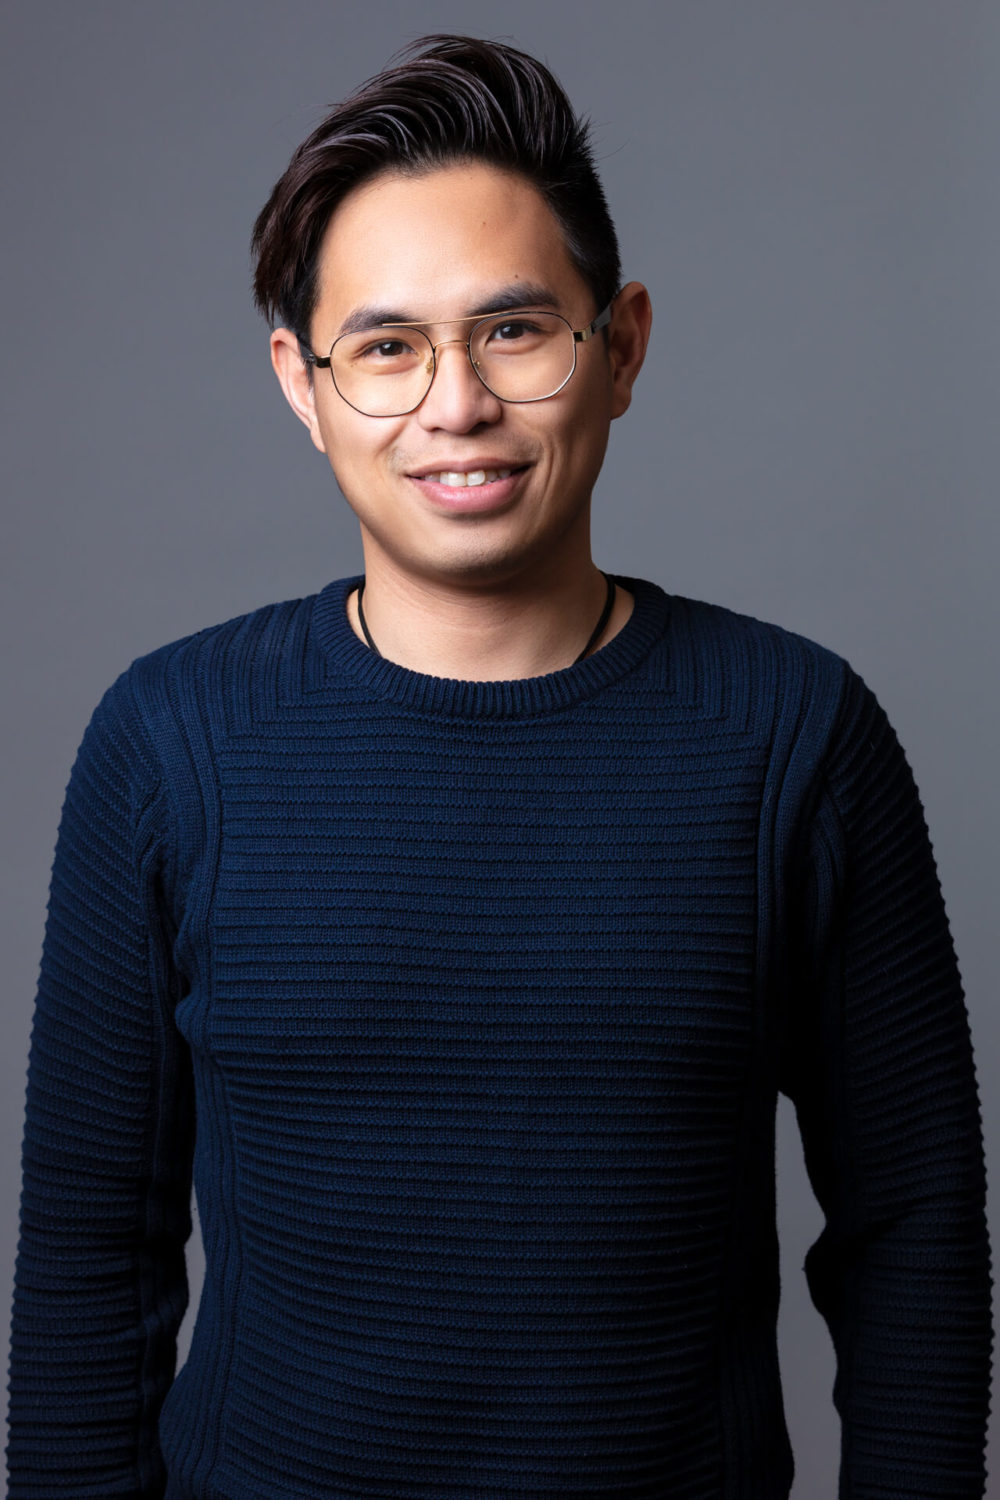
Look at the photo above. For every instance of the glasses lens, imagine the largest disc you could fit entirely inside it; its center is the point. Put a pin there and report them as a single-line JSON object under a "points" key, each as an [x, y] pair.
{"points": [[383, 372], [524, 357]]}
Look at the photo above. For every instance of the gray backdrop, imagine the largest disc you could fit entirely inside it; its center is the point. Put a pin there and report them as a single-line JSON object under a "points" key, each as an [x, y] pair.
{"points": [[810, 192]]}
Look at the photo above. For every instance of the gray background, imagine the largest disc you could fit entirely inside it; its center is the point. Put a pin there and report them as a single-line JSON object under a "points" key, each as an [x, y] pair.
{"points": [[810, 192]]}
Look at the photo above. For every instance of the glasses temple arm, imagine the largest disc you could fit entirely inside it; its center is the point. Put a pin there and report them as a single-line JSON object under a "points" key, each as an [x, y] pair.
{"points": [[309, 358], [580, 336]]}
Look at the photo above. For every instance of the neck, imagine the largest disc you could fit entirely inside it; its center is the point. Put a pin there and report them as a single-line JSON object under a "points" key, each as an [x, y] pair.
{"points": [[521, 627]]}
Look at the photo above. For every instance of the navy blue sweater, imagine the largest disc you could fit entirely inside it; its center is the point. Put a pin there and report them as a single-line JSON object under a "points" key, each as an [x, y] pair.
{"points": [[481, 995]]}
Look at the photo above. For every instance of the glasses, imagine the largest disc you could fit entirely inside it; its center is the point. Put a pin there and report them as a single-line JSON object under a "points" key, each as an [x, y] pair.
{"points": [[387, 371]]}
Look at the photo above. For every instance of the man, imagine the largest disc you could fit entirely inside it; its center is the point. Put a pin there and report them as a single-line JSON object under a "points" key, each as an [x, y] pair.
{"points": [[477, 909]]}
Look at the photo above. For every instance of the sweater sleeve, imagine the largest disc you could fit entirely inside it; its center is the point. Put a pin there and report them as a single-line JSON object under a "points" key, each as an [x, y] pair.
{"points": [[105, 1208], [880, 1069]]}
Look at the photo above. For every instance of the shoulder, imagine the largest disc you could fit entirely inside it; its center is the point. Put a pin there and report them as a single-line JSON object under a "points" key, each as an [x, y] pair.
{"points": [[829, 742], [187, 690], [800, 703], [742, 639], [752, 670], [215, 651], [148, 757], [217, 665], [826, 713]]}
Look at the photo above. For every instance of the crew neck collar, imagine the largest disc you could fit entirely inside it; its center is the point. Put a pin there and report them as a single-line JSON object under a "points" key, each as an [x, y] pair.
{"points": [[519, 697]]}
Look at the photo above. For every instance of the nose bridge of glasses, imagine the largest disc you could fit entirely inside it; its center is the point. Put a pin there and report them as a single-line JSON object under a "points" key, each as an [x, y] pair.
{"points": [[476, 323], [466, 344]]}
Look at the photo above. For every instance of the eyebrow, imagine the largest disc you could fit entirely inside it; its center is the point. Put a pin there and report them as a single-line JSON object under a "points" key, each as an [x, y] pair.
{"points": [[516, 294]]}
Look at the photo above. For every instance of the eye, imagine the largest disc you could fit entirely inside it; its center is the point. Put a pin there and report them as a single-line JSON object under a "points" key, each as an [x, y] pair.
{"points": [[512, 329], [385, 349], [377, 351]]}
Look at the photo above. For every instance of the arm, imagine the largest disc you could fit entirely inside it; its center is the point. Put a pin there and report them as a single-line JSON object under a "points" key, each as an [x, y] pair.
{"points": [[879, 1065], [100, 1283]]}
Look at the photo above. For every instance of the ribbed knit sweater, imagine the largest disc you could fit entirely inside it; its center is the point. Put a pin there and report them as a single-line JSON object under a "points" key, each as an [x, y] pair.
{"points": [[481, 994]]}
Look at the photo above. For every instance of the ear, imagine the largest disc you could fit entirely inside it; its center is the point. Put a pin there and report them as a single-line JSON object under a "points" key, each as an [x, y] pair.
{"points": [[628, 335], [294, 377]]}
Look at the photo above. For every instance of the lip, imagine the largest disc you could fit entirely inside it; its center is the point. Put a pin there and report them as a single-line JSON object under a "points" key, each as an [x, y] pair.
{"points": [[469, 499]]}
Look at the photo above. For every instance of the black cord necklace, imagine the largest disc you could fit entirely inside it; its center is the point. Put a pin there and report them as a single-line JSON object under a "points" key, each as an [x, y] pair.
{"points": [[595, 634]]}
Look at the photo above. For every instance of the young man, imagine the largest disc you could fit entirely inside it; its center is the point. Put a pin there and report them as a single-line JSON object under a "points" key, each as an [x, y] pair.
{"points": [[477, 909]]}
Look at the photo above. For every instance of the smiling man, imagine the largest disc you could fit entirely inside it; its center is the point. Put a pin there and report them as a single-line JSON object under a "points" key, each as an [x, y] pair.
{"points": [[459, 926]]}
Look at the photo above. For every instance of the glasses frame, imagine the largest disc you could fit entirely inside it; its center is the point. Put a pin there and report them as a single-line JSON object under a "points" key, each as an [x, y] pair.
{"points": [[580, 336]]}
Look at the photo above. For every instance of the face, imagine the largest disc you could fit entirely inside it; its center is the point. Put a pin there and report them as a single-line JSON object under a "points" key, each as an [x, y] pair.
{"points": [[437, 247]]}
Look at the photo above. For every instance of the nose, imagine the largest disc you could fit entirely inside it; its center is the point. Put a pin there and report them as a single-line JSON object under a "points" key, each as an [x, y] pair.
{"points": [[457, 400]]}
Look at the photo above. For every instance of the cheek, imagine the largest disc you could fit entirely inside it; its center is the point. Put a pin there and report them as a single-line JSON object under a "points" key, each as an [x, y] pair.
{"points": [[359, 457], [346, 442]]}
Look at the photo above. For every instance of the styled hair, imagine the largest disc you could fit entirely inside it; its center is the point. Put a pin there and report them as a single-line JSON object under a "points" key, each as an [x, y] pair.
{"points": [[443, 99]]}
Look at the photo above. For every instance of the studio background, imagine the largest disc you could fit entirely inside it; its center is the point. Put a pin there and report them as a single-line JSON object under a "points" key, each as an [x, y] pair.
{"points": [[810, 192]]}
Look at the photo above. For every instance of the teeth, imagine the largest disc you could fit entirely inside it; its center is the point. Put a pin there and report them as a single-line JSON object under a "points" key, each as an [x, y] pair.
{"points": [[458, 479]]}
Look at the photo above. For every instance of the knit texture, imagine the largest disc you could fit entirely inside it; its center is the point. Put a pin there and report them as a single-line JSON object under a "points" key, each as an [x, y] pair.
{"points": [[482, 994]]}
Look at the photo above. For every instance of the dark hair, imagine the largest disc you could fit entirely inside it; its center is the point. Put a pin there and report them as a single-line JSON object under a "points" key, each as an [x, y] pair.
{"points": [[447, 99]]}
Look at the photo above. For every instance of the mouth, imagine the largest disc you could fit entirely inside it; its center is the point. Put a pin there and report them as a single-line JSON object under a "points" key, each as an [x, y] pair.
{"points": [[470, 490], [468, 478], [455, 479]]}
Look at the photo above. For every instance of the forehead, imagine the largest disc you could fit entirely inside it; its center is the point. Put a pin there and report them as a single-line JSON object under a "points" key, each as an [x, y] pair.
{"points": [[436, 244]]}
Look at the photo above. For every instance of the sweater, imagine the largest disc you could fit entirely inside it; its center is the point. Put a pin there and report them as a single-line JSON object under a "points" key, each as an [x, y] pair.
{"points": [[467, 1004]]}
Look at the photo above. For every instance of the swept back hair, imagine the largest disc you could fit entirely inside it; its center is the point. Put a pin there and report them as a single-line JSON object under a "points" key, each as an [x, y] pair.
{"points": [[443, 99]]}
